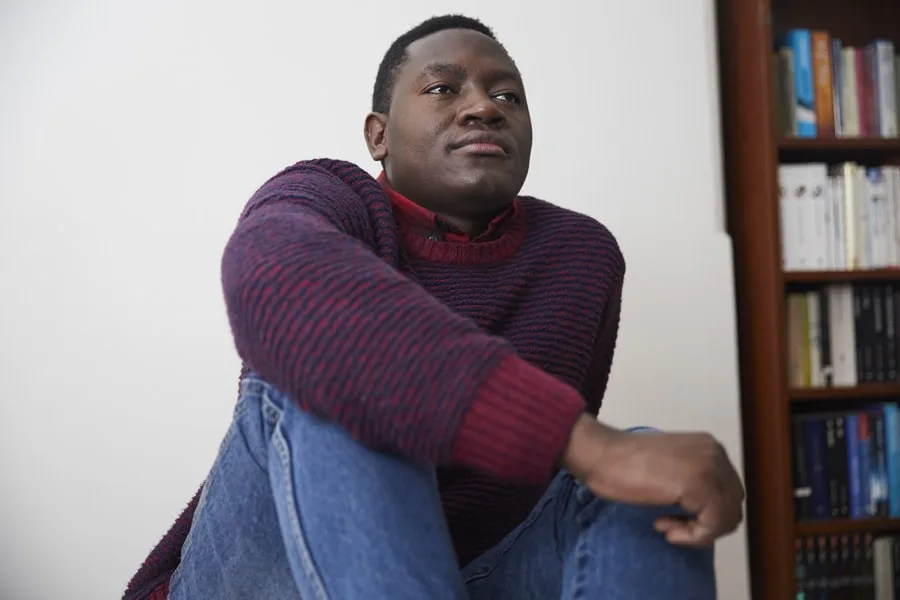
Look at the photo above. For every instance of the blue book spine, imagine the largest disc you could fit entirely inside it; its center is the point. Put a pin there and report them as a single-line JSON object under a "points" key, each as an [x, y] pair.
{"points": [[853, 475], [879, 485], [814, 432], [800, 43], [865, 466], [892, 447]]}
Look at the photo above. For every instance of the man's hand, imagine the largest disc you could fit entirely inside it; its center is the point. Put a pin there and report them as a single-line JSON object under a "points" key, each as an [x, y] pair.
{"points": [[690, 470]]}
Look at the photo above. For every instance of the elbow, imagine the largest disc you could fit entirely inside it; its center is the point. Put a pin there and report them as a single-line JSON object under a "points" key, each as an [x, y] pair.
{"points": [[241, 279]]}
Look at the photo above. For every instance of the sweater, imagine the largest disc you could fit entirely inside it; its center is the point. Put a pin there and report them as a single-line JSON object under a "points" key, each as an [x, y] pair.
{"points": [[476, 356], [414, 218]]}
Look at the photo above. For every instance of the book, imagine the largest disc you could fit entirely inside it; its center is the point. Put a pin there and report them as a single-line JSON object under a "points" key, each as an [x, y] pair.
{"points": [[824, 88], [839, 217], [846, 463], [843, 335]]}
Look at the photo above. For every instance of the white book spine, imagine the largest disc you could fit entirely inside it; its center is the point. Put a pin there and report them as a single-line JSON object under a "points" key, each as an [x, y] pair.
{"points": [[878, 221], [790, 183], [842, 332], [890, 203], [849, 100], [861, 206], [831, 240], [885, 88], [893, 175], [837, 202], [815, 223], [848, 183]]}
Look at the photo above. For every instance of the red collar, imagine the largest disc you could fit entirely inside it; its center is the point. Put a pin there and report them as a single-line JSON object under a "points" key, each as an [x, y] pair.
{"points": [[418, 218]]}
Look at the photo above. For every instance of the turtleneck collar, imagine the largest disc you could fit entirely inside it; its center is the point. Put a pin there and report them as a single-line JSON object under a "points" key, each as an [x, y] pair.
{"points": [[429, 236]]}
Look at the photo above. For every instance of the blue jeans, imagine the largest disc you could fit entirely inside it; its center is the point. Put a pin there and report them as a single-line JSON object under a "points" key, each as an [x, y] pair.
{"points": [[294, 508]]}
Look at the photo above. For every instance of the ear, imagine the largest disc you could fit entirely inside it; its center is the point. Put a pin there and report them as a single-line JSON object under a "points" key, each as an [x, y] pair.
{"points": [[376, 135]]}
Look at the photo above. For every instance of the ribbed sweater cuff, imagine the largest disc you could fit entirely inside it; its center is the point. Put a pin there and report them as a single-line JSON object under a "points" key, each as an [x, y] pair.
{"points": [[518, 424]]}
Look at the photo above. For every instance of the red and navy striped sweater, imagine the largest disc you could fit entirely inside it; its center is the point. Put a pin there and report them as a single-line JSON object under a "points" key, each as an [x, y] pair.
{"points": [[475, 356]]}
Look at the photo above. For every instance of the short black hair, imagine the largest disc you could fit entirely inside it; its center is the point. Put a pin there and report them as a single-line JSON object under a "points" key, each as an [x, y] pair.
{"points": [[396, 55]]}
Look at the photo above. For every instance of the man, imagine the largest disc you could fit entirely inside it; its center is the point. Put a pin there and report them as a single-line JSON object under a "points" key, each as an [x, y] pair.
{"points": [[425, 355]]}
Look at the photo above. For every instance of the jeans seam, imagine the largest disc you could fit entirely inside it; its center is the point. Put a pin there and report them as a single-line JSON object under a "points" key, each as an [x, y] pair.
{"points": [[239, 411], [281, 448], [582, 556], [591, 513], [511, 540]]}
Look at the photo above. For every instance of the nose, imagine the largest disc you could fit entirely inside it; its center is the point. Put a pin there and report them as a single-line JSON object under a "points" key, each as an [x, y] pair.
{"points": [[480, 108]]}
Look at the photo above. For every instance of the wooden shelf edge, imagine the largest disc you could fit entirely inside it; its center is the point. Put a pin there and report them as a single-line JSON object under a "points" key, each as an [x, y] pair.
{"points": [[825, 527], [839, 144], [889, 274], [867, 391]]}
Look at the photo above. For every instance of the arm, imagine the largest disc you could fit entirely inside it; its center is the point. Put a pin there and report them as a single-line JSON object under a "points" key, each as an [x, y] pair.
{"points": [[691, 470], [323, 318], [588, 430], [604, 348]]}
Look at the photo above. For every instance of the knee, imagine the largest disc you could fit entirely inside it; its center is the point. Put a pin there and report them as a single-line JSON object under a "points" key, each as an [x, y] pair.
{"points": [[624, 536], [634, 526]]}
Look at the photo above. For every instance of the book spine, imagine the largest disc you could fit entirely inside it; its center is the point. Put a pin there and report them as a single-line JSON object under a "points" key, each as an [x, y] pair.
{"points": [[800, 43]]}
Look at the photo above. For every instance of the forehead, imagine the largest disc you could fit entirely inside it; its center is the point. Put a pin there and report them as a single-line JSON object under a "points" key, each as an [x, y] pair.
{"points": [[465, 48]]}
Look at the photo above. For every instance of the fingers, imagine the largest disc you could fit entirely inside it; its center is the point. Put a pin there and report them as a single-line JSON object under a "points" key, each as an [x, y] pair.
{"points": [[666, 524], [721, 509], [717, 502], [720, 518], [686, 533], [732, 510]]}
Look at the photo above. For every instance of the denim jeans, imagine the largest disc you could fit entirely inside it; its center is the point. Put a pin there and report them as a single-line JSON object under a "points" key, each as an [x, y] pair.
{"points": [[294, 508]]}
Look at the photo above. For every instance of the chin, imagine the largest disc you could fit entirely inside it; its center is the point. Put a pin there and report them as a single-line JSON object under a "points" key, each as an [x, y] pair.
{"points": [[491, 186]]}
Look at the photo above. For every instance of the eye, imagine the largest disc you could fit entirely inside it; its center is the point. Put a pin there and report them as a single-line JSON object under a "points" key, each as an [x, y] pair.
{"points": [[508, 97], [439, 89]]}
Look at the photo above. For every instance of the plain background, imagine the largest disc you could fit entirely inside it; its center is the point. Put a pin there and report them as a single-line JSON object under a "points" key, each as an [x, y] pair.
{"points": [[132, 133]]}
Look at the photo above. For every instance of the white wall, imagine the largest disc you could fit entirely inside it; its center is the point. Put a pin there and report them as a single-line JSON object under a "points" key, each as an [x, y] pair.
{"points": [[131, 134]]}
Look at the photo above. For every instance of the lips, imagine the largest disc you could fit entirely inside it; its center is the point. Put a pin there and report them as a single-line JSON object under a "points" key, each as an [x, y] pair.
{"points": [[483, 142]]}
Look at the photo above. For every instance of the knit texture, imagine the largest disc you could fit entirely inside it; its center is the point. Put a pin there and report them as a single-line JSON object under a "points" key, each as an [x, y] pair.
{"points": [[476, 357]]}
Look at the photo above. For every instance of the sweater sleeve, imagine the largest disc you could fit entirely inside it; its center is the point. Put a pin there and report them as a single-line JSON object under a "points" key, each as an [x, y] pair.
{"points": [[604, 349], [333, 325]]}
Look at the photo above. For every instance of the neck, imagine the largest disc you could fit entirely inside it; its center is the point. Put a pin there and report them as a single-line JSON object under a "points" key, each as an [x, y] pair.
{"points": [[452, 209]]}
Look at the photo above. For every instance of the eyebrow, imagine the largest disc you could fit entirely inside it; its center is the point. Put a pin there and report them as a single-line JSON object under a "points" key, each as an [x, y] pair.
{"points": [[459, 72]]}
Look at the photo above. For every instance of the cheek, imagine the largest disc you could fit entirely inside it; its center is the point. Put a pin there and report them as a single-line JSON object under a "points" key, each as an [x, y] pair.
{"points": [[420, 130], [437, 124], [526, 146], [422, 138]]}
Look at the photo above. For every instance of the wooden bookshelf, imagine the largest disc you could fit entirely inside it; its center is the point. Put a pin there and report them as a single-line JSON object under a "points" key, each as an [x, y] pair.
{"points": [[847, 526], [753, 149], [874, 391], [864, 150], [819, 277], [840, 146]]}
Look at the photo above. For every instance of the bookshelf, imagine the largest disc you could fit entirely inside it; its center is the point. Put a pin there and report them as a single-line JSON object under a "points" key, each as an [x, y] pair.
{"points": [[846, 526], [755, 145], [874, 391], [820, 277], [864, 150]]}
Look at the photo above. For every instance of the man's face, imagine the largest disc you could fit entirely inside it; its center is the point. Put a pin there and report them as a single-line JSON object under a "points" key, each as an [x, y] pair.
{"points": [[458, 133]]}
